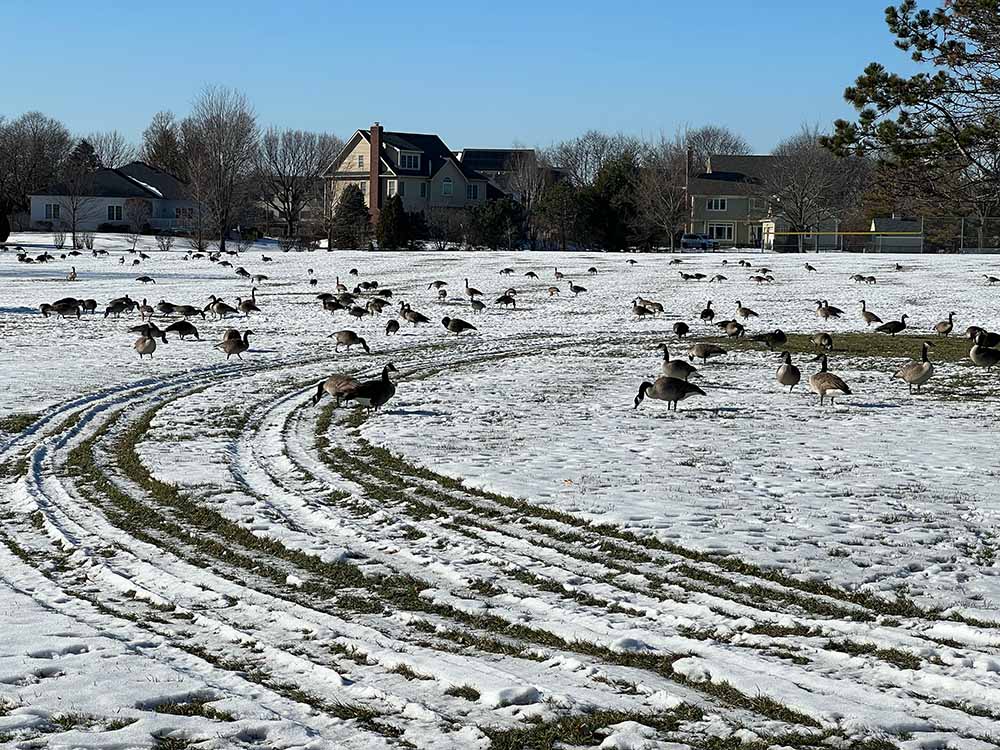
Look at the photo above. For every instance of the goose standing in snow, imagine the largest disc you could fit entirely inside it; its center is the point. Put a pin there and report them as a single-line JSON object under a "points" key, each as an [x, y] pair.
{"points": [[893, 326], [945, 326], [349, 339], [235, 345], [825, 383], [671, 390], [146, 345], [788, 374], [868, 316], [982, 355], [675, 368], [373, 394], [916, 373]]}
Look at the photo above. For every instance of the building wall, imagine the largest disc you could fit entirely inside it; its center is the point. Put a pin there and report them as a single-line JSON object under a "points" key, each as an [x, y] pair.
{"points": [[740, 213]]}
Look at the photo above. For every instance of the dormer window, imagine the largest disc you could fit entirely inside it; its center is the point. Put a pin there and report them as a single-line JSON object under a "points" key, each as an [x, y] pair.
{"points": [[409, 161], [447, 186]]}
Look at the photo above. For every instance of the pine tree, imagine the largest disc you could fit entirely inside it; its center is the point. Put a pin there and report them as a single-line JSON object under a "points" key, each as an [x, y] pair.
{"points": [[350, 226], [392, 231]]}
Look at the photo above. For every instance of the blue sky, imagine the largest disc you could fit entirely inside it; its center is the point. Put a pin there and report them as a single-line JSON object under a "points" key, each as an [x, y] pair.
{"points": [[477, 73]]}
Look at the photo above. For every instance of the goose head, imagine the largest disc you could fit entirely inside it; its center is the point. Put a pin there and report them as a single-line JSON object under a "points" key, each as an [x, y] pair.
{"points": [[643, 387]]}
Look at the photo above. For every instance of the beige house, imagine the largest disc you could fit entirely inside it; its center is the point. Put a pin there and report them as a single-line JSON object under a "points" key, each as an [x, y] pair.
{"points": [[726, 203], [418, 167]]}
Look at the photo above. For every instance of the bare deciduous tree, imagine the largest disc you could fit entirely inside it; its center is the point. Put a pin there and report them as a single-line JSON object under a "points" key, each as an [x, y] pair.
{"points": [[583, 157], [220, 144], [713, 139], [33, 148], [526, 177], [112, 149], [289, 167], [137, 213], [808, 185], [662, 200]]}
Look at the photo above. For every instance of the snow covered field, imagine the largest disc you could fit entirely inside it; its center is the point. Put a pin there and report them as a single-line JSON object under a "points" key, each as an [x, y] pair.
{"points": [[508, 554]]}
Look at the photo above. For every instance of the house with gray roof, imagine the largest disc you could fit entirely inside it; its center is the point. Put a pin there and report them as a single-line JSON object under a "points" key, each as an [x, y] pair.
{"points": [[725, 200], [418, 167], [104, 197]]}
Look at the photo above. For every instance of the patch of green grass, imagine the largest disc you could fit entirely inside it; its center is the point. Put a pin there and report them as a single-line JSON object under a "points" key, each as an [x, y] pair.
{"points": [[463, 691], [857, 344], [198, 706], [408, 673], [895, 656], [17, 422]]}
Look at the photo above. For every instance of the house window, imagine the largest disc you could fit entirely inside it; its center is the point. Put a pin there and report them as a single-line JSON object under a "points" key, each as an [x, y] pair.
{"points": [[402, 187], [423, 189], [447, 186], [390, 188], [51, 210], [363, 187], [758, 204], [114, 213], [472, 192], [409, 161], [717, 204], [722, 232], [361, 161]]}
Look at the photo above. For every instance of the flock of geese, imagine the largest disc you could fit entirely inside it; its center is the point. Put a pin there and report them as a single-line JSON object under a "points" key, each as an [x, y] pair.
{"points": [[369, 299]]}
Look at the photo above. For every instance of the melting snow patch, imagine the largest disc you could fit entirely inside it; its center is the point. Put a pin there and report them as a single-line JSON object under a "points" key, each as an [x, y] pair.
{"points": [[631, 735], [293, 581], [693, 668], [511, 696]]}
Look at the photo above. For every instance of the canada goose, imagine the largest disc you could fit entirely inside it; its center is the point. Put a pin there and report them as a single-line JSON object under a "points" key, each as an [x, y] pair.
{"points": [[718, 277], [337, 386], [823, 383], [392, 327], [531, 275], [697, 276], [868, 317], [945, 326], [653, 307], [70, 301], [553, 291], [247, 306], [384, 292], [857, 278], [472, 292], [442, 295], [457, 325], [788, 374], [146, 279], [313, 282], [675, 262], [259, 278], [675, 368], [349, 339], [71, 276], [558, 274], [506, 271], [982, 355], [745, 312], [332, 305], [759, 279], [89, 305], [592, 271], [809, 267], [671, 390], [990, 280], [377, 304], [477, 305], [413, 316], [734, 330], [640, 311], [916, 373], [242, 272], [353, 272], [63, 309], [265, 259], [989, 339], [183, 329], [681, 329], [631, 262], [576, 289], [135, 263], [772, 339], [115, 307], [764, 270], [341, 287], [507, 299], [149, 330], [145, 345], [219, 308], [357, 312], [898, 267], [708, 314], [373, 394], [235, 345], [166, 308], [704, 351], [825, 310], [823, 341], [870, 280], [893, 326]]}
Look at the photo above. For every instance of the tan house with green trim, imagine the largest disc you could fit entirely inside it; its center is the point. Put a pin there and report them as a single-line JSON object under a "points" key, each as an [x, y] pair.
{"points": [[725, 200], [418, 167]]}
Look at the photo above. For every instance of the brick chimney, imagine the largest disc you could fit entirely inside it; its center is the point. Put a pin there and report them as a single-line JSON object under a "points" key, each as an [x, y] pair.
{"points": [[374, 162]]}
